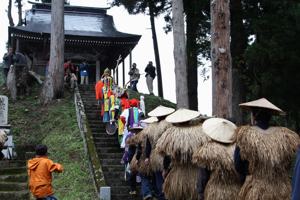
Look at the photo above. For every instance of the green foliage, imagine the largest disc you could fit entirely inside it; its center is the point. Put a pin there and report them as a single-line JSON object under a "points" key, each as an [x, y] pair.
{"points": [[272, 60], [151, 101], [55, 125]]}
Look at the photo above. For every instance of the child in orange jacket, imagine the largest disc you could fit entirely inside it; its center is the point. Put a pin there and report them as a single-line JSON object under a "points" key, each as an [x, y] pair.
{"points": [[40, 171]]}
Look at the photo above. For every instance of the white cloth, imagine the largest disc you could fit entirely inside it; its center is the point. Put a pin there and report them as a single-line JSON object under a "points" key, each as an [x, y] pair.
{"points": [[3, 138]]}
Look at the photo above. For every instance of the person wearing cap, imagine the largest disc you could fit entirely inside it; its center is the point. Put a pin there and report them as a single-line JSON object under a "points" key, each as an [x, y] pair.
{"points": [[218, 178], [40, 171], [152, 158], [179, 142], [264, 153]]}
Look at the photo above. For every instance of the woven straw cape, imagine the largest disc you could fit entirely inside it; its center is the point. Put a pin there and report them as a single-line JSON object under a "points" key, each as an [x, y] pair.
{"points": [[262, 103], [220, 129], [182, 115], [161, 111]]}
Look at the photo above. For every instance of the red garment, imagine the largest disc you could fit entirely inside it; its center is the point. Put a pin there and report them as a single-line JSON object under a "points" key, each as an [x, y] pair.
{"points": [[40, 177], [98, 90], [69, 66], [134, 103]]}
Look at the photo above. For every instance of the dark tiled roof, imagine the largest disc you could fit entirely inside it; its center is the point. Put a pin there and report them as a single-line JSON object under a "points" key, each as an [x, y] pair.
{"points": [[79, 21]]}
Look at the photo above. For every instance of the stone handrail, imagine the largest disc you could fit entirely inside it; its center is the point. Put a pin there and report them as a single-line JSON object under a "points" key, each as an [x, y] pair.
{"points": [[89, 145]]}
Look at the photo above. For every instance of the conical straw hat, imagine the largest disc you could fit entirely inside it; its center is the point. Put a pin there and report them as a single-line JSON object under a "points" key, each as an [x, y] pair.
{"points": [[262, 103], [161, 111], [219, 129], [182, 115], [150, 120]]}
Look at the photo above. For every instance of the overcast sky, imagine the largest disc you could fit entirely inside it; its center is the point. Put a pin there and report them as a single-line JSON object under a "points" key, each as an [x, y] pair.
{"points": [[141, 55]]}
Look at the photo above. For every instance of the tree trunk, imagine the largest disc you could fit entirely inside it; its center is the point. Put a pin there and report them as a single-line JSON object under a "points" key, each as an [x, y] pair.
{"points": [[54, 84], [10, 19], [238, 47], [156, 53], [221, 58], [180, 55], [19, 5], [192, 52]]}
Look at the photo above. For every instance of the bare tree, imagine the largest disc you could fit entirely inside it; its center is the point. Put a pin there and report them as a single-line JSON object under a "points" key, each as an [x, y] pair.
{"points": [[19, 6], [10, 19], [221, 58], [54, 84], [180, 56]]}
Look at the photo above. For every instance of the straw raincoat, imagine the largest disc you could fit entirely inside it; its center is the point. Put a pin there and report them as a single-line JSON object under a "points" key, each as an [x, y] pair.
{"points": [[269, 153]]}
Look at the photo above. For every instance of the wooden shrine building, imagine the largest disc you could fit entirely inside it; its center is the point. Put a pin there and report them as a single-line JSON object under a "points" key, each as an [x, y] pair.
{"points": [[89, 34]]}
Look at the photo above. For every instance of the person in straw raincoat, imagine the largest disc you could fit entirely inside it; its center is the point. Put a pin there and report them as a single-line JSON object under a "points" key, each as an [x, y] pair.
{"points": [[153, 158], [218, 179], [264, 154], [138, 161], [179, 142]]}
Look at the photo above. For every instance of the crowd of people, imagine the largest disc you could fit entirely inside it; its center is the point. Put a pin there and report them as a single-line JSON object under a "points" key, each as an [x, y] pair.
{"points": [[183, 155]]}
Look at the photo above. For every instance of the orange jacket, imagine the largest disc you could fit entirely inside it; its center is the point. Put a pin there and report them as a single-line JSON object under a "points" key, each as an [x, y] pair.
{"points": [[40, 178]]}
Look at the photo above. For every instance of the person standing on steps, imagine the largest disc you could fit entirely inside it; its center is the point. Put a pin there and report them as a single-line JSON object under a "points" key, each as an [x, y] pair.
{"points": [[40, 171], [134, 77], [150, 76], [84, 76]]}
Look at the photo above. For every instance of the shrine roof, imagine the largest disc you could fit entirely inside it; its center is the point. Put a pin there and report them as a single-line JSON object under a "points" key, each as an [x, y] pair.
{"points": [[79, 21]]}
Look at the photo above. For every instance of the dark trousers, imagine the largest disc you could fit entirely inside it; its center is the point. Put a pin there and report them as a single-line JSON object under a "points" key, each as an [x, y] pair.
{"points": [[159, 185], [146, 185], [133, 85], [132, 181]]}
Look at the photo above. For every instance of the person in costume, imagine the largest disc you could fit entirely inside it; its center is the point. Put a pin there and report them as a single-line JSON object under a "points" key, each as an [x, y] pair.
{"points": [[105, 96], [179, 142], [130, 150], [153, 158], [263, 154], [138, 161], [218, 179], [130, 117]]}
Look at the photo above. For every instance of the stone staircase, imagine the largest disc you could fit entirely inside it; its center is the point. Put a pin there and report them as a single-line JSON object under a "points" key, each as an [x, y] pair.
{"points": [[13, 180], [107, 147]]}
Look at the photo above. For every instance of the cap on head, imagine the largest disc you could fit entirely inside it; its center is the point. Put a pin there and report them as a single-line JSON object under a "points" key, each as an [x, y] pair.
{"points": [[41, 150]]}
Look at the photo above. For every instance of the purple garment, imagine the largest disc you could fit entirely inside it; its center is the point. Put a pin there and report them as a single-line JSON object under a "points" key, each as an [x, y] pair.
{"points": [[125, 157]]}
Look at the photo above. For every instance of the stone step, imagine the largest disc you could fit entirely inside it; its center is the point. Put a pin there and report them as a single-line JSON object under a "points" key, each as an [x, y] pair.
{"points": [[13, 186], [15, 195], [13, 170], [12, 163], [126, 197], [113, 168], [110, 155], [110, 161], [106, 143], [108, 149], [14, 178]]}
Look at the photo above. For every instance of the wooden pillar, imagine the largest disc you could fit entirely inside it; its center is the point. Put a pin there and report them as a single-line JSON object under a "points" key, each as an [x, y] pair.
{"points": [[123, 70], [130, 60], [97, 70], [117, 73], [17, 45]]}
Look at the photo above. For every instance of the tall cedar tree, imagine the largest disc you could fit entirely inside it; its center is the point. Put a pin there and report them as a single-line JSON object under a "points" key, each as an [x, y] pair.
{"points": [[153, 8], [53, 87]]}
